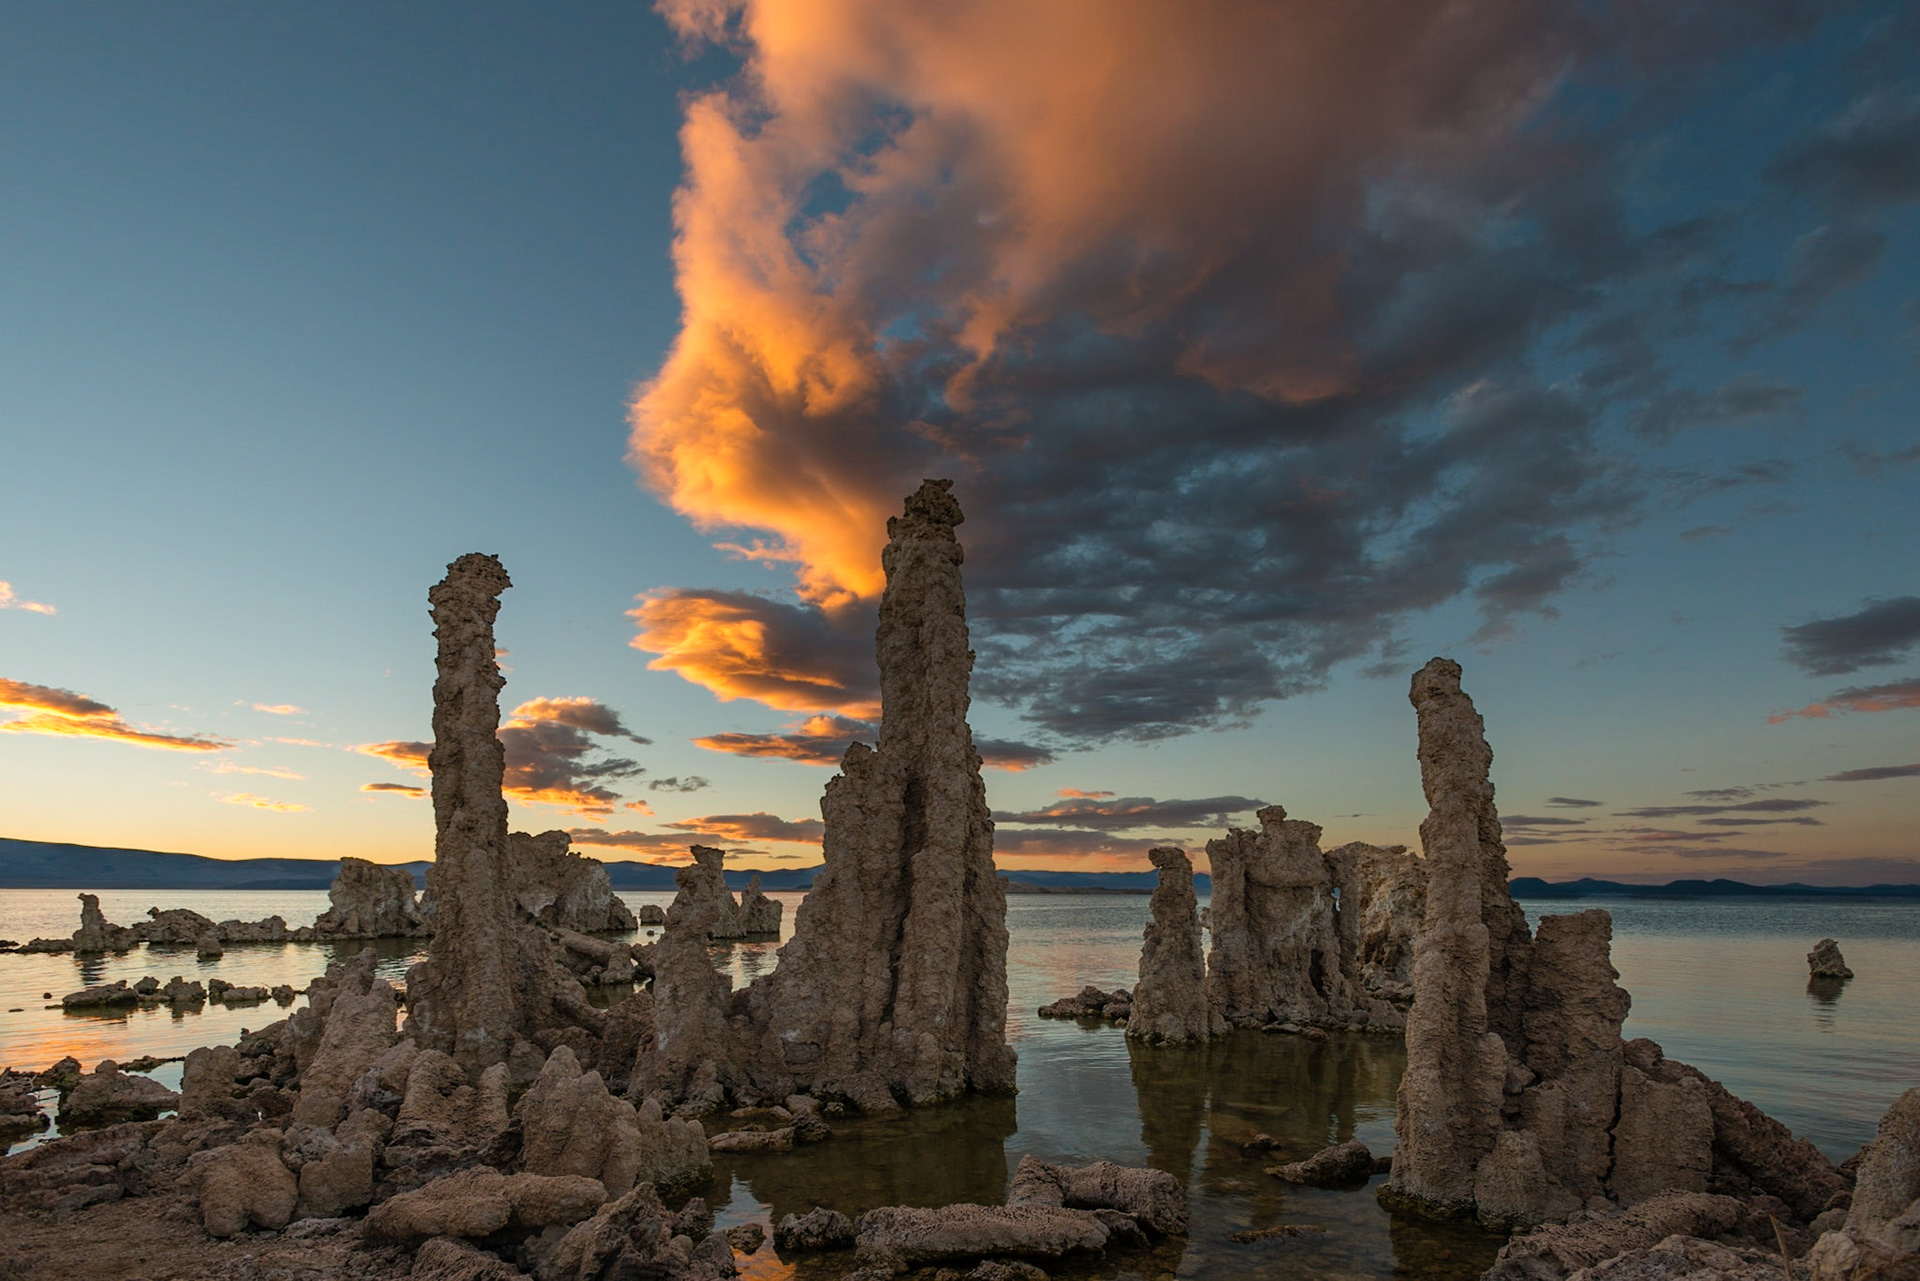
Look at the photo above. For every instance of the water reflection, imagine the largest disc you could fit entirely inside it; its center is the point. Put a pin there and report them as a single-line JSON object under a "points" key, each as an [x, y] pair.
{"points": [[1825, 994]]}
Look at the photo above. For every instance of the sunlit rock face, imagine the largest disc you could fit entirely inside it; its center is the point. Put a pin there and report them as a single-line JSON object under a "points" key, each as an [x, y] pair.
{"points": [[371, 901], [489, 981], [1520, 1103], [1170, 1000], [895, 979]]}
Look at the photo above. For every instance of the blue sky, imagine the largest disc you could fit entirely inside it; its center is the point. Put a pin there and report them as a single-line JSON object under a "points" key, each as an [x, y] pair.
{"points": [[1269, 359]]}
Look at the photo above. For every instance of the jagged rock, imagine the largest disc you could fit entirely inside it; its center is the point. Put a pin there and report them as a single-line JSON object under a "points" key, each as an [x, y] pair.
{"points": [[451, 1259], [1562, 1250], [1152, 1198], [897, 966], [96, 933], [207, 1085], [904, 1237], [479, 1202], [1684, 1258], [106, 994], [596, 960], [490, 981], [747, 1238], [1278, 953], [442, 1113], [79, 1170], [560, 888], [1663, 1140], [759, 915], [179, 991], [62, 1076], [1881, 1234], [1170, 1000], [208, 947], [1392, 898], [1089, 1002], [175, 925], [692, 1036], [652, 914], [244, 1184], [703, 895], [357, 1028], [147, 986], [1825, 961], [369, 900], [1344, 1165], [818, 1229], [341, 1177], [629, 1035], [780, 1140], [107, 1094], [19, 1107], [635, 1237], [570, 1125]]}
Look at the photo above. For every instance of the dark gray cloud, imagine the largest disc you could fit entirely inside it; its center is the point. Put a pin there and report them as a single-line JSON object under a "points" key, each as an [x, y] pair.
{"points": [[1866, 156], [1534, 820], [1801, 820], [1133, 813], [823, 740], [1772, 805], [1573, 802], [1873, 774], [759, 826], [1749, 398], [1700, 533], [679, 783], [1880, 632]]}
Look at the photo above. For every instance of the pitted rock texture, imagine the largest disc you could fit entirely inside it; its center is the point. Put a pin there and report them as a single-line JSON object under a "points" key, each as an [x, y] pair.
{"points": [[1278, 953], [371, 901], [490, 981], [560, 888], [692, 1035], [636, 1237], [242, 1185], [570, 1124], [1152, 1198], [1881, 1235], [759, 915], [1520, 1103], [1170, 1001], [97, 933], [356, 1028], [107, 1094], [479, 1202], [1392, 899], [704, 895], [1565, 1249], [1825, 961]]}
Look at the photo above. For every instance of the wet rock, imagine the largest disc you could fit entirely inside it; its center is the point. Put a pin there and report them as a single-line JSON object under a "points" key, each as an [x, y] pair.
{"points": [[904, 1237], [147, 986], [107, 1094], [62, 1076], [490, 980], [175, 925], [1881, 1234], [96, 933], [1825, 961], [179, 991], [781, 1140], [1344, 1165], [1005, 1270], [1277, 951], [451, 1259], [368, 900], [105, 995], [243, 1185], [1170, 1000], [1089, 1002], [747, 1238], [817, 1229], [897, 966], [759, 915], [1152, 1198], [478, 1202], [207, 947]]}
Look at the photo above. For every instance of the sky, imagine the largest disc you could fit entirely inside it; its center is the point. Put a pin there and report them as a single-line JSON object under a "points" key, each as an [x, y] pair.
{"points": [[1272, 349]]}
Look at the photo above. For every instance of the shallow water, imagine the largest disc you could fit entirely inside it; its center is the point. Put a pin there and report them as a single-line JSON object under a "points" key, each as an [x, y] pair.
{"points": [[1721, 985]]}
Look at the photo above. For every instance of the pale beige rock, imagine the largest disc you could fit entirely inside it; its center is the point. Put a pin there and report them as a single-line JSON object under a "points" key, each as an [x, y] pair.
{"points": [[1170, 1001], [369, 900], [357, 1030], [341, 1178], [569, 1124], [242, 1185], [442, 1112], [108, 1094], [489, 981], [1277, 954], [1152, 1198], [451, 1259], [207, 1084], [1341, 1165], [1881, 1236], [904, 1237], [1392, 900], [1663, 1141], [478, 1202]]}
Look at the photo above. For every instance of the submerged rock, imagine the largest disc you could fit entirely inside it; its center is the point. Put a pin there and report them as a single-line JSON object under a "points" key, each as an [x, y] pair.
{"points": [[818, 1229], [107, 1095], [1825, 961], [902, 1237], [1152, 1198], [105, 995], [1344, 1165], [1170, 1000]]}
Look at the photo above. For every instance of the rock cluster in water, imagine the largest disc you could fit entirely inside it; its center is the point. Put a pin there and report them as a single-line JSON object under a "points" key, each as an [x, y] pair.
{"points": [[371, 901], [1170, 1000], [703, 886], [1521, 1103], [177, 925], [555, 886]]}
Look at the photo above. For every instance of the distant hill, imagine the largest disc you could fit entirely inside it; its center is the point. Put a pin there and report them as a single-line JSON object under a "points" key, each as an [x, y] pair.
{"points": [[36, 865], [1588, 887]]}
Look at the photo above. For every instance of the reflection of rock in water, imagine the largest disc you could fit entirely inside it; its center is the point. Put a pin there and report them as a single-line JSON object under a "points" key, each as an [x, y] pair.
{"points": [[1172, 1081], [1825, 993], [1426, 1248], [926, 1156]]}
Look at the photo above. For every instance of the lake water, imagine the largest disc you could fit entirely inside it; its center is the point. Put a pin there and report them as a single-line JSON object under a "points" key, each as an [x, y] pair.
{"points": [[1722, 985]]}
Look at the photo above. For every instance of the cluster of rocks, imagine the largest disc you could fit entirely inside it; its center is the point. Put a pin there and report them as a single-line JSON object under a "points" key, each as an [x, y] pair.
{"points": [[179, 926], [1091, 1002], [20, 1110], [148, 991], [703, 887], [1521, 1103], [553, 886], [369, 901]]}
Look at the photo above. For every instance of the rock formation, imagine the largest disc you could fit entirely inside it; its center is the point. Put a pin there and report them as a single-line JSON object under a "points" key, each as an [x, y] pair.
{"points": [[107, 1094], [558, 887], [1170, 1000], [1391, 900], [704, 895], [1278, 950], [1825, 961], [1520, 1103], [97, 933], [1091, 1002], [489, 982], [1881, 1235], [759, 915], [371, 901]]}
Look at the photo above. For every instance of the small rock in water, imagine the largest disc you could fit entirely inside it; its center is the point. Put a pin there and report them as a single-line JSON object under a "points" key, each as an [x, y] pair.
{"points": [[1344, 1165], [1277, 1230], [1825, 961], [746, 1238]]}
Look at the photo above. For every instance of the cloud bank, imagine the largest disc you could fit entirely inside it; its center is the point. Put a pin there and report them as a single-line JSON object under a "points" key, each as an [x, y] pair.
{"points": [[43, 709]]}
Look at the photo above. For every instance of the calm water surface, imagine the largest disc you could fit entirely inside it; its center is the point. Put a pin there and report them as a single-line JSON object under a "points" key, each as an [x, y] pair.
{"points": [[1720, 985]]}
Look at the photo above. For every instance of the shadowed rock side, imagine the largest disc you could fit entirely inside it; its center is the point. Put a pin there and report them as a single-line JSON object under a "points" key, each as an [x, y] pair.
{"points": [[489, 982], [703, 894], [554, 886], [1392, 885], [759, 915], [1881, 1235], [370, 901], [1278, 949], [1521, 1104], [1825, 961], [1170, 1001]]}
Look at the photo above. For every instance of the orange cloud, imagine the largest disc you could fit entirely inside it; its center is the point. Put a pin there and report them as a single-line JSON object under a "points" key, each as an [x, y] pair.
{"points": [[638, 807], [823, 740], [754, 827], [674, 845], [261, 803], [1893, 697], [268, 771], [46, 710], [410, 755], [280, 709], [738, 645], [393, 789], [9, 600], [1074, 793]]}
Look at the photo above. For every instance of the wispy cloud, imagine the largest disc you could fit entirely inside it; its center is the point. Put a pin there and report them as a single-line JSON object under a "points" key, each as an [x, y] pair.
{"points": [[742, 828], [261, 803], [393, 789], [1772, 805], [1573, 802], [9, 599], [1133, 813], [44, 709], [1892, 697], [677, 783], [823, 740], [279, 709], [267, 771], [1874, 774]]}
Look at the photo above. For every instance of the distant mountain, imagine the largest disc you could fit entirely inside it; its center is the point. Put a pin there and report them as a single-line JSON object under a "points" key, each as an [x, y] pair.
{"points": [[1588, 887]]}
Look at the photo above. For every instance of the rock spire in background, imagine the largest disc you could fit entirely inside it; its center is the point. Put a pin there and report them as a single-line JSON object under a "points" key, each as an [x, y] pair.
{"points": [[1170, 1001]]}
